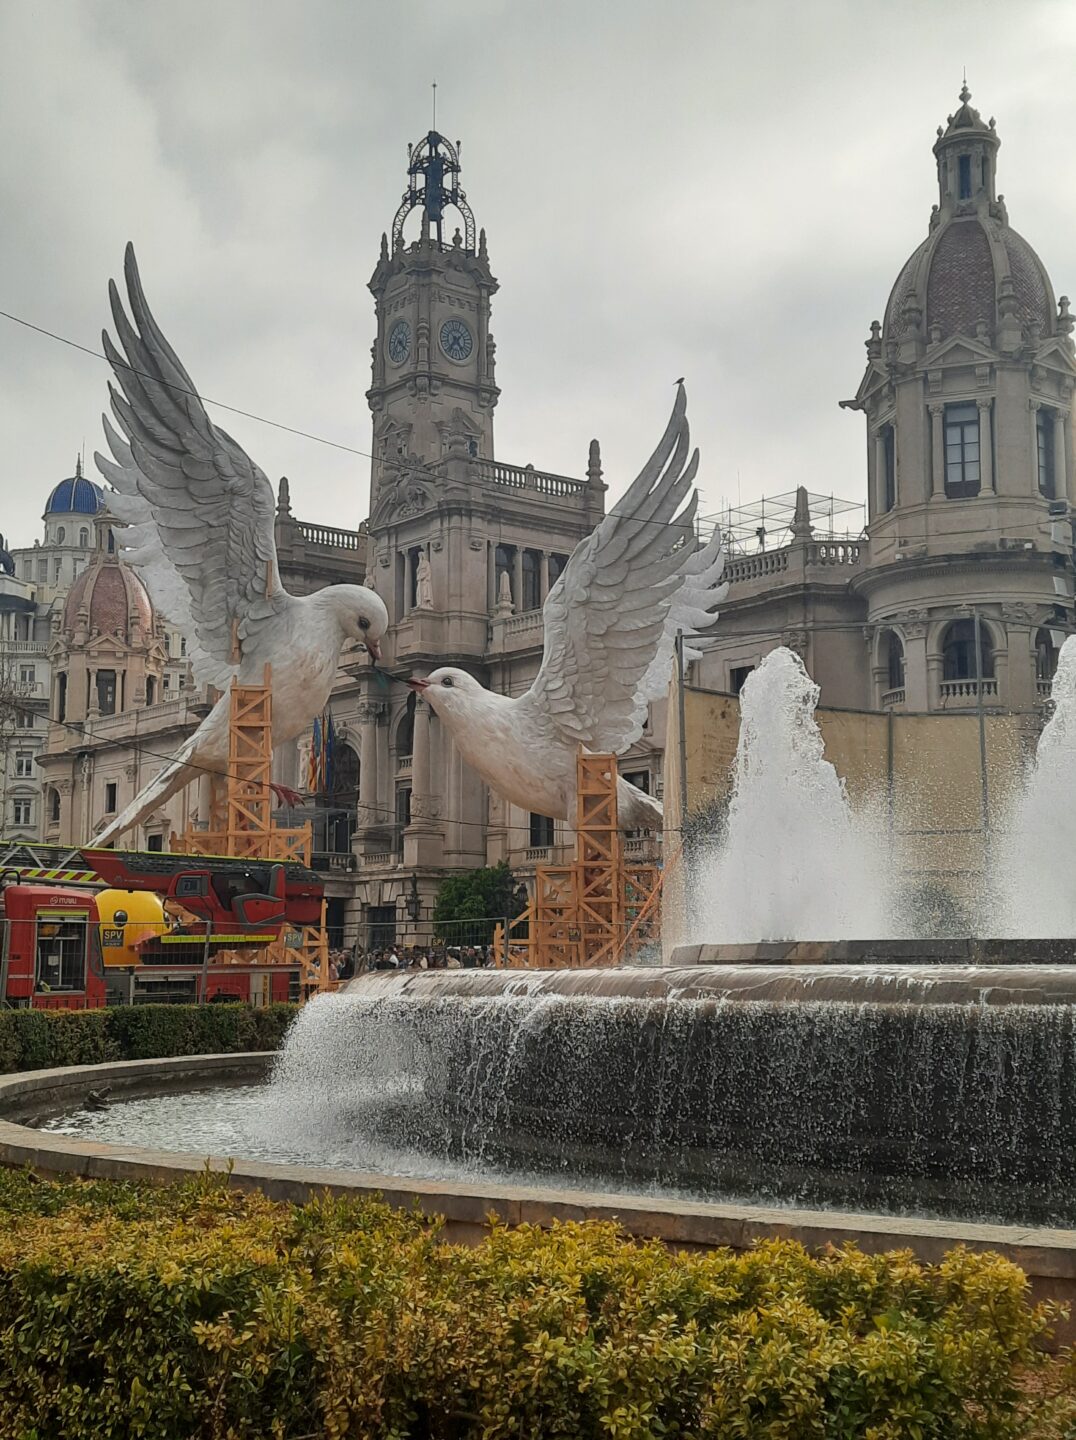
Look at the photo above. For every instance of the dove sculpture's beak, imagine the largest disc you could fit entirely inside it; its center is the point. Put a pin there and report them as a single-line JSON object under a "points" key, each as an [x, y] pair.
{"points": [[373, 649], [418, 685]]}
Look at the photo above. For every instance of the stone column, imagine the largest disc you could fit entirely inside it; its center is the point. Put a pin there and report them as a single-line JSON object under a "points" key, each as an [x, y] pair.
{"points": [[1061, 447], [453, 797], [1033, 408], [879, 474], [491, 578], [544, 573], [420, 764], [422, 838], [937, 449], [369, 811], [986, 447], [517, 580]]}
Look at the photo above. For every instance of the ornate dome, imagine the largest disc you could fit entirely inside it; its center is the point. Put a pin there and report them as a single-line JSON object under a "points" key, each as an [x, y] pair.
{"points": [[76, 496], [972, 260], [954, 276], [113, 597]]}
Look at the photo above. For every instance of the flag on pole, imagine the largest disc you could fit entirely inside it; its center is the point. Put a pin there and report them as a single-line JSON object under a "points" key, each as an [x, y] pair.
{"points": [[314, 769], [329, 741]]}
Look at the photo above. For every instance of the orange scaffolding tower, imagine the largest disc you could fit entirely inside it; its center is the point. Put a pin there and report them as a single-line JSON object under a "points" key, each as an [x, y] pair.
{"points": [[241, 823], [597, 910]]}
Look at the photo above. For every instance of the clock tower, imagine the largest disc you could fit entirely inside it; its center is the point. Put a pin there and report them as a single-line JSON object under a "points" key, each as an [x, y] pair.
{"points": [[433, 359]]}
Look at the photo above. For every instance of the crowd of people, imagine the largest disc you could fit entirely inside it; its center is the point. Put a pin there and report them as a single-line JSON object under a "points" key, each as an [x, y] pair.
{"points": [[345, 964]]}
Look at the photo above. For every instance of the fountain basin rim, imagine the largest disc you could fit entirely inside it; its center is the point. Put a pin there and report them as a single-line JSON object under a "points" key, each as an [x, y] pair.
{"points": [[1048, 1256]]}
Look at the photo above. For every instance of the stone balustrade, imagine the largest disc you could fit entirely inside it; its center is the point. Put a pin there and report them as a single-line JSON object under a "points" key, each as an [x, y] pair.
{"points": [[525, 477], [755, 567], [797, 557], [966, 692], [329, 536], [892, 698]]}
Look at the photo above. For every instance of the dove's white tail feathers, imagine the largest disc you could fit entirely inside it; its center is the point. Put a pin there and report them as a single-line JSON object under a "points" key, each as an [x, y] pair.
{"points": [[161, 788], [635, 809], [204, 752]]}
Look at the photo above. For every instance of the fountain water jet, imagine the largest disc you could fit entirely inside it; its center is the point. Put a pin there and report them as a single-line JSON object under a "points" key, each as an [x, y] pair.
{"points": [[794, 861], [1032, 872]]}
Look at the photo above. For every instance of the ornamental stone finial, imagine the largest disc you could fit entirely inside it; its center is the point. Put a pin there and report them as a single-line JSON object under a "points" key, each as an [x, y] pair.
{"points": [[801, 526], [283, 497]]}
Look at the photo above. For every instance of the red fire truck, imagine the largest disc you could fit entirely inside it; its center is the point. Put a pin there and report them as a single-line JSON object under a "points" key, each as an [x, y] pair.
{"points": [[72, 940]]}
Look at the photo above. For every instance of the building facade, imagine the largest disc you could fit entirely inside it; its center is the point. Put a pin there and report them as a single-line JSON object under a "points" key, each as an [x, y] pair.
{"points": [[966, 405], [966, 399]]}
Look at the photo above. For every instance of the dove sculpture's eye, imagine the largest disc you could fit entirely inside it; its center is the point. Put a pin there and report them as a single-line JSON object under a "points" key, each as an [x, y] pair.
{"points": [[447, 681], [364, 624]]}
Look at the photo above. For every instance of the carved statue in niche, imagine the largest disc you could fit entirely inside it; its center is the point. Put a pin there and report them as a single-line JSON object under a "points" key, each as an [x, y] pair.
{"points": [[504, 594], [424, 583]]}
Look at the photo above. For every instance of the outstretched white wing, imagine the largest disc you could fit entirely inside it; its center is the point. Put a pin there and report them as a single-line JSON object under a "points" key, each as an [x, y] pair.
{"points": [[199, 511], [611, 619]]}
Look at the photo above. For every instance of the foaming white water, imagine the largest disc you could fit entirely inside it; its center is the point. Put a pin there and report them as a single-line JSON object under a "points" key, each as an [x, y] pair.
{"points": [[794, 862], [1033, 858]]}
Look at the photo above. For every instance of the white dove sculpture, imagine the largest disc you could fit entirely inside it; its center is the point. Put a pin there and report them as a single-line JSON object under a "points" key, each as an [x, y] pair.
{"points": [[198, 525], [610, 626]]}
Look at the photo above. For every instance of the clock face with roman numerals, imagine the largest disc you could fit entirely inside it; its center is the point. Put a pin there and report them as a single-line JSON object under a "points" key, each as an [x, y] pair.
{"points": [[399, 342], [456, 339]]}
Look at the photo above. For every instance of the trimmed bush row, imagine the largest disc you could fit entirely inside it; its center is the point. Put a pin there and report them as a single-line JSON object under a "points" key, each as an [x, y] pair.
{"points": [[41, 1039], [202, 1312]]}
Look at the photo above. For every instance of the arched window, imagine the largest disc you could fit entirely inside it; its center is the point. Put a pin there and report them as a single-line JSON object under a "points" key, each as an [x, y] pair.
{"points": [[894, 659], [958, 652], [151, 690], [83, 537], [1045, 659], [61, 696], [61, 535], [54, 805], [405, 731], [111, 543]]}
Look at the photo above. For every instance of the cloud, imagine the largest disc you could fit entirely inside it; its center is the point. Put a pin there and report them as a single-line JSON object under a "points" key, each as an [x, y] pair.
{"points": [[720, 191]]}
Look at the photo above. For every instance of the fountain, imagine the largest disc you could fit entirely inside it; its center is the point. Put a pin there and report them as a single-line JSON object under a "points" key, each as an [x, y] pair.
{"points": [[903, 1089], [868, 1071]]}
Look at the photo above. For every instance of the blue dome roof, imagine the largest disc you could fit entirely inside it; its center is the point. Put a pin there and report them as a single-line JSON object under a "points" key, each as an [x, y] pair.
{"points": [[76, 496]]}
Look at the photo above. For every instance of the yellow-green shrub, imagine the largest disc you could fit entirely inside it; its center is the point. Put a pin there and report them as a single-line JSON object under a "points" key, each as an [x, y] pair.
{"points": [[203, 1312]]}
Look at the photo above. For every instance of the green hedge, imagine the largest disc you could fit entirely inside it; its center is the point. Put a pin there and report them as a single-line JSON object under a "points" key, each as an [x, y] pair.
{"points": [[202, 1313], [40, 1039]]}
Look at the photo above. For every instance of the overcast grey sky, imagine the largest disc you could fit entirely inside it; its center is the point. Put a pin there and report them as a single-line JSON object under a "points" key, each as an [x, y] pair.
{"points": [[724, 191]]}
